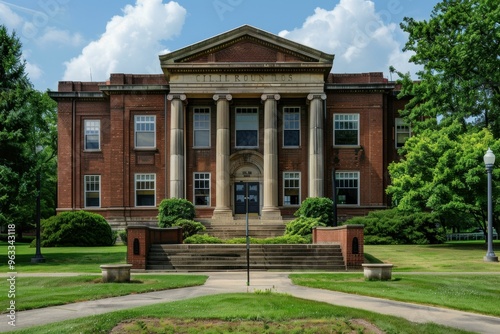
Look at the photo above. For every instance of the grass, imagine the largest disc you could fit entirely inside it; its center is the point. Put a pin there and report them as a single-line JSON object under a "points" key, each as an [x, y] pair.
{"points": [[240, 313], [63, 259], [472, 292], [32, 291], [464, 256]]}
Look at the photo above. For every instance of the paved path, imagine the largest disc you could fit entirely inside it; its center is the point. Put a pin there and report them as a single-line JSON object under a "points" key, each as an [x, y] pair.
{"points": [[226, 282]]}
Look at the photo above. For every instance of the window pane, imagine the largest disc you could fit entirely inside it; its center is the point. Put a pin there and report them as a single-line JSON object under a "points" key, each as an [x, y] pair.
{"points": [[346, 129], [247, 126], [92, 134], [145, 131], [202, 189], [145, 189], [291, 191], [346, 184], [246, 138], [202, 138], [145, 139], [92, 193], [291, 138]]}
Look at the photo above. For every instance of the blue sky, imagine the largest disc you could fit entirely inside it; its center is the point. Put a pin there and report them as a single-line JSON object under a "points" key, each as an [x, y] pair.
{"points": [[80, 40]]}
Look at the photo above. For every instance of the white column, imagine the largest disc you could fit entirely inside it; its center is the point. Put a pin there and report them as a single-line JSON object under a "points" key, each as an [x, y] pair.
{"points": [[270, 208], [316, 149], [222, 187], [177, 161]]}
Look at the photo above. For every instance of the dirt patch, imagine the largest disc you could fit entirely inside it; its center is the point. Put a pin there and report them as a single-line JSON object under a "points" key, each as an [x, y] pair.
{"points": [[167, 325]]}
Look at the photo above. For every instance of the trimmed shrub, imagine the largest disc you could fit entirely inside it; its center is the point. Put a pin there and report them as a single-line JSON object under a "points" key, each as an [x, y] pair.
{"points": [[317, 207], [123, 236], [392, 227], [189, 227], [173, 209], [202, 239], [76, 228], [302, 226]]}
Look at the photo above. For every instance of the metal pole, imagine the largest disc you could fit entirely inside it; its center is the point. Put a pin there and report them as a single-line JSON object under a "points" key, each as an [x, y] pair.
{"points": [[490, 255], [38, 258], [247, 235], [334, 190]]}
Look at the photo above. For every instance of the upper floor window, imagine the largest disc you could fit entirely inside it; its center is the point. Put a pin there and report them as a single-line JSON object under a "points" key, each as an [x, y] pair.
{"points": [[346, 129], [403, 132], [291, 126], [145, 189], [92, 130], [247, 127], [347, 187], [145, 131], [291, 188], [202, 189], [201, 121], [92, 189]]}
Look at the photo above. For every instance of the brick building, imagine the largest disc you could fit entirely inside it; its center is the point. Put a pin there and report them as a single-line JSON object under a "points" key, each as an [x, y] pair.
{"points": [[244, 111]]}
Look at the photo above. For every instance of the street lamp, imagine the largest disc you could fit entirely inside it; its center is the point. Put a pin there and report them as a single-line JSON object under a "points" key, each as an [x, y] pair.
{"points": [[38, 258], [489, 161]]}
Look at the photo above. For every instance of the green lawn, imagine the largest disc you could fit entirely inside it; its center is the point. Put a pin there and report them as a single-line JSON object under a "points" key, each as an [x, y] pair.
{"points": [[241, 313]]}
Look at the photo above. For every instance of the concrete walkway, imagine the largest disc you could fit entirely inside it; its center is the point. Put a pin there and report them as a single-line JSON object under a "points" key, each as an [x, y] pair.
{"points": [[228, 282]]}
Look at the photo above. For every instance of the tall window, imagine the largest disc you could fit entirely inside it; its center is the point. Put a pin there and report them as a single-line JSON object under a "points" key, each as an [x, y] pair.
{"points": [[347, 186], [92, 188], [201, 121], [291, 188], [291, 126], [346, 129], [202, 189], [403, 132], [145, 189], [247, 127], [92, 132], [145, 131]]}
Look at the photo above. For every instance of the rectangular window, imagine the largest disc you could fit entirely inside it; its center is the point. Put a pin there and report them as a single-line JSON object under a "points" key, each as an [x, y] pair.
{"points": [[92, 188], [347, 187], [92, 135], [145, 186], [291, 126], [247, 127], [145, 131], [291, 188], [201, 121], [403, 132], [202, 189], [346, 129]]}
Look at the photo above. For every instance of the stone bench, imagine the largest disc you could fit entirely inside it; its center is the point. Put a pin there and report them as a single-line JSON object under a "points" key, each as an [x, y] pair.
{"points": [[378, 271], [115, 273]]}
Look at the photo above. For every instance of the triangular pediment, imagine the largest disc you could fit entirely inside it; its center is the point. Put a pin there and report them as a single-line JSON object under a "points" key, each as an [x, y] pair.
{"points": [[245, 47]]}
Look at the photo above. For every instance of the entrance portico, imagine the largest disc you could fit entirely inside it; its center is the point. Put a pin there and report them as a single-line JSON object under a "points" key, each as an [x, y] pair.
{"points": [[247, 90]]}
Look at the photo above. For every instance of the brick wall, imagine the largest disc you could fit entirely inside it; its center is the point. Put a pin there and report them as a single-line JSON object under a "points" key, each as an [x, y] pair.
{"points": [[350, 238]]}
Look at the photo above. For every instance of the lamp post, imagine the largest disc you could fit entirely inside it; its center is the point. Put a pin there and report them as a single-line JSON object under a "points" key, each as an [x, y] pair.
{"points": [[489, 161], [247, 235], [38, 258]]}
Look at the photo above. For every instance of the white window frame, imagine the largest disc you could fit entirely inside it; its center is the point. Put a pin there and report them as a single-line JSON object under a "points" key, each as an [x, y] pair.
{"points": [[244, 110], [348, 175], [144, 179], [90, 127], [196, 178], [401, 128], [145, 120], [288, 123], [91, 181], [343, 120], [291, 176], [197, 111]]}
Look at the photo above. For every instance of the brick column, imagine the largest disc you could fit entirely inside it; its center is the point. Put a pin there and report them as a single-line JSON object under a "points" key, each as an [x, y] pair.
{"points": [[177, 162], [270, 208], [222, 186], [316, 158]]}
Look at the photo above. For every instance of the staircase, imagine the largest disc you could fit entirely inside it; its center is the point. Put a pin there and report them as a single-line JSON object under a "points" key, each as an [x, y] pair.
{"points": [[221, 257]]}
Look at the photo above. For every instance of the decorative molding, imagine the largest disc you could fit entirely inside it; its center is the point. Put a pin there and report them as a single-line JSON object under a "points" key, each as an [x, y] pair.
{"points": [[275, 97]]}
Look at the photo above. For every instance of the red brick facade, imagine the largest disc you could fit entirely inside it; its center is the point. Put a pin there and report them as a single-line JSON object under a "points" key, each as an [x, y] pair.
{"points": [[246, 66]]}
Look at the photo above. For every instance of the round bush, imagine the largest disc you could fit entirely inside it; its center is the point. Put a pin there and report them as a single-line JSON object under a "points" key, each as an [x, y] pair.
{"points": [[173, 209], [76, 228], [189, 227]]}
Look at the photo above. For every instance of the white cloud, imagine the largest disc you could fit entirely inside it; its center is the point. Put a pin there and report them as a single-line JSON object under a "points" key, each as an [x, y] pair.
{"points": [[10, 19], [131, 42], [53, 35], [34, 72], [358, 36]]}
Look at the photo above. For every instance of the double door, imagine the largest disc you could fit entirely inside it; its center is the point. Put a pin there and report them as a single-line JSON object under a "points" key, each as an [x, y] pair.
{"points": [[241, 191]]}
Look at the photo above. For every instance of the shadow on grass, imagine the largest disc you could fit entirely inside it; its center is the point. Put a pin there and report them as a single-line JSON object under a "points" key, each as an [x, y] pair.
{"points": [[371, 259]]}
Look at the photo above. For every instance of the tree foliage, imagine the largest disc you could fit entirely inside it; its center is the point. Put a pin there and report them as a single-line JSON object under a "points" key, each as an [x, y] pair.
{"points": [[173, 209], [317, 207], [459, 48]]}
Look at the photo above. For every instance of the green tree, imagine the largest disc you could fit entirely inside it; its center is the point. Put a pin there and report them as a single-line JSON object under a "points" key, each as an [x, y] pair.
{"points": [[458, 48], [27, 120], [443, 171]]}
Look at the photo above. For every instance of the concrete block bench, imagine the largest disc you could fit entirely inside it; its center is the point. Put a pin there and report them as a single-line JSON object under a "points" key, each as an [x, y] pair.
{"points": [[115, 273], [377, 271]]}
